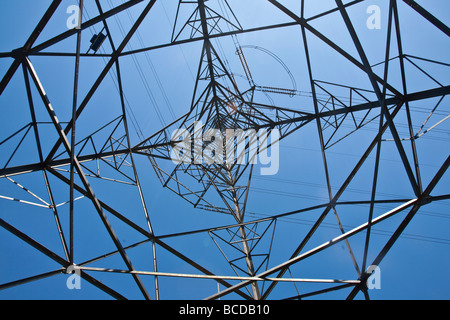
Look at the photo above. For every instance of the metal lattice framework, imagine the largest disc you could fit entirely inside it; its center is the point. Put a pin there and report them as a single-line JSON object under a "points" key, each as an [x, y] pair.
{"points": [[43, 165]]}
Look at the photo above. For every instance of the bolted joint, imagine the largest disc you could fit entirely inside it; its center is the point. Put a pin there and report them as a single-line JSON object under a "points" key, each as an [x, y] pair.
{"points": [[426, 200], [18, 53], [72, 269]]}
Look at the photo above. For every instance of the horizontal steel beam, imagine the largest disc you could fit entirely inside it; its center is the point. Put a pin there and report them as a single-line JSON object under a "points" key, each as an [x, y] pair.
{"points": [[217, 277], [85, 158], [426, 94], [38, 49]]}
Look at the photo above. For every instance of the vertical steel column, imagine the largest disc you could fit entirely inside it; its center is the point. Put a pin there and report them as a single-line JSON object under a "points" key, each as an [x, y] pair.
{"points": [[73, 137]]}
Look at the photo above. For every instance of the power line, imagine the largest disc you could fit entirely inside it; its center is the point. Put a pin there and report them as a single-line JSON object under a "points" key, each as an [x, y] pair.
{"points": [[328, 225], [155, 73], [141, 73]]}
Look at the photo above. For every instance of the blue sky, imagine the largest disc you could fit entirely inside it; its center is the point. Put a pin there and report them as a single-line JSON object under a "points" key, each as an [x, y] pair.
{"points": [[415, 268]]}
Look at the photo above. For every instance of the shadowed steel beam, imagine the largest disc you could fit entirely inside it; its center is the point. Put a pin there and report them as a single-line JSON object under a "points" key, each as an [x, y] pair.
{"points": [[309, 294], [30, 279], [377, 90], [424, 13], [136, 176], [34, 243], [39, 147], [73, 136], [322, 147], [286, 214], [378, 151], [56, 258], [31, 40], [417, 205], [82, 176], [408, 113]]}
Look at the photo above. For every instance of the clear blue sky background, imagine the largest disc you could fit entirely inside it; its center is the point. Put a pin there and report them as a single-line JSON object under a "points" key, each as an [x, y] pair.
{"points": [[415, 268]]}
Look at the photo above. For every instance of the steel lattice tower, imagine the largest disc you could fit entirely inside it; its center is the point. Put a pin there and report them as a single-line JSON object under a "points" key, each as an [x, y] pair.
{"points": [[72, 165]]}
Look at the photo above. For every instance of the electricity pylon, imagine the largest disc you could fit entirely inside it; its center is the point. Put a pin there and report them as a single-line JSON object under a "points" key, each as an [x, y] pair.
{"points": [[220, 104]]}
